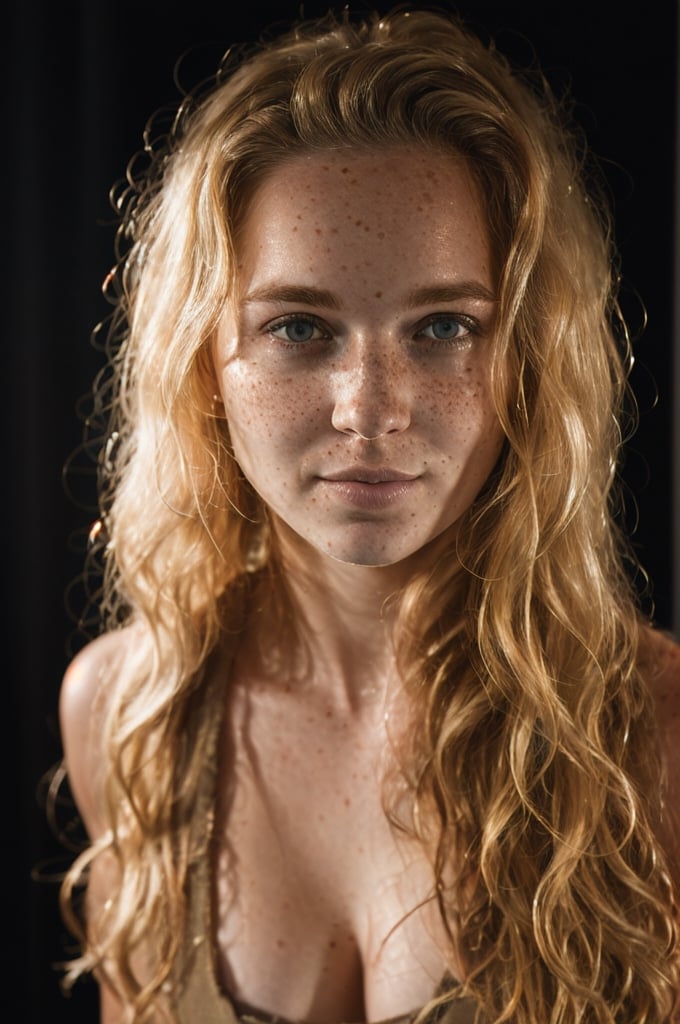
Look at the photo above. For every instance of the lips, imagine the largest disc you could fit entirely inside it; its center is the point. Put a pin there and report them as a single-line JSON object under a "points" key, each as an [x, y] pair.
{"points": [[369, 489], [369, 475]]}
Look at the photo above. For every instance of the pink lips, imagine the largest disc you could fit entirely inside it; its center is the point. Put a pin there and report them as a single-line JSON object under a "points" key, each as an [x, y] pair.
{"points": [[369, 487], [369, 475]]}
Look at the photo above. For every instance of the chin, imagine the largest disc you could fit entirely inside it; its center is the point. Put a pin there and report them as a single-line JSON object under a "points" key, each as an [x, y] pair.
{"points": [[382, 557], [377, 562], [377, 548]]}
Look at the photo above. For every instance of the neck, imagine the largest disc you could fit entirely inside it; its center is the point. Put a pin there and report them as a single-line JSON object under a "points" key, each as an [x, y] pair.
{"points": [[340, 638], [333, 630]]}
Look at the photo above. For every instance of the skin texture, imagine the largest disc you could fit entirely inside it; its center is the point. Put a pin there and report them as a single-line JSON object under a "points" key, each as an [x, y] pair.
{"points": [[359, 346], [326, 366]]}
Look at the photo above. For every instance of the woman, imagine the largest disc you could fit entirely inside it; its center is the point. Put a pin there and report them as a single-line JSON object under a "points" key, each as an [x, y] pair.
{"points": [[375, 729]]}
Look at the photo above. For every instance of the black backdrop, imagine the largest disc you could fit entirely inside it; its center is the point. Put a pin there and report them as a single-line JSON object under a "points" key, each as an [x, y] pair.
{"points": [[81, 79]]}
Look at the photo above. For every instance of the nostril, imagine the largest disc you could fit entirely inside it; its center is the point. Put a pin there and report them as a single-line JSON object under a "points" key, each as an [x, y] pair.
{"points": [[365, 437]]}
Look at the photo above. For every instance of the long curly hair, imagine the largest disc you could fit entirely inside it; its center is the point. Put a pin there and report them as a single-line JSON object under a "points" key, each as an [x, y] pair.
{"points": [[534, 762]]}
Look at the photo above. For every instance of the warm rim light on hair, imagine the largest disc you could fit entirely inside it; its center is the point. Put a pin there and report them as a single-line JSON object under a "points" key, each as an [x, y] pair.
{"points": [[518, 649]]}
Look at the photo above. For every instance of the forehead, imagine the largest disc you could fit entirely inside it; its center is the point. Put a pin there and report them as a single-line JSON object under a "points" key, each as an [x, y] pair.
{"points": [[426, 174], [364, 206]]}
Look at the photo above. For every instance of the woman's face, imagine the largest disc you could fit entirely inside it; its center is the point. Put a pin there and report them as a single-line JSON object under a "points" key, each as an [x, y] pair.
{"points": [[354, 361]]}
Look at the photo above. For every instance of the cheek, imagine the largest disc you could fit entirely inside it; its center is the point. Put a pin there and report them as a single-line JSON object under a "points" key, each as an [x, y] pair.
{"points": [[462, 406], [266, 408]]}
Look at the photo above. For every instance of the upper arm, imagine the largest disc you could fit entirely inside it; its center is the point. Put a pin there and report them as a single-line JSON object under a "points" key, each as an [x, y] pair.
{"points": [[83, 706], [84, 702]]}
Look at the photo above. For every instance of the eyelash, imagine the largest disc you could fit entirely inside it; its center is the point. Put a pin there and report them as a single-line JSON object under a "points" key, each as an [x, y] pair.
{"points": [[297, 318], [468, 324]]}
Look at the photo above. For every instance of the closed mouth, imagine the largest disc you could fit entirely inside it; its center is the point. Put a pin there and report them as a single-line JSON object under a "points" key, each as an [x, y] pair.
{"points": [[370, 475]]}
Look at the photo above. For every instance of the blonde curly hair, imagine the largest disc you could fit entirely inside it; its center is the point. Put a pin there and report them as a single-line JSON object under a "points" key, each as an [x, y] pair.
{"points": [[534, 764]]}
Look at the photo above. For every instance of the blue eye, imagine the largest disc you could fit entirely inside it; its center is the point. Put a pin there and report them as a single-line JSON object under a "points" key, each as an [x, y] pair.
{"points": [[447, 329], [297, 330]]}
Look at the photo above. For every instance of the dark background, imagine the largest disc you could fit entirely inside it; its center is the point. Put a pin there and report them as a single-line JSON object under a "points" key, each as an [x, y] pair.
{"points": [[80, 81]]}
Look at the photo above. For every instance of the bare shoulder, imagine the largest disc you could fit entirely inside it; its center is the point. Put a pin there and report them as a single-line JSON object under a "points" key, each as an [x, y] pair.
{"points": [[659, 663], [89, 682]]}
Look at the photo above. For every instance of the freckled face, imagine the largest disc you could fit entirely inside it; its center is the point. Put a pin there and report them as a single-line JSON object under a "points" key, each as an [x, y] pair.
{"points": [[353, 363]]}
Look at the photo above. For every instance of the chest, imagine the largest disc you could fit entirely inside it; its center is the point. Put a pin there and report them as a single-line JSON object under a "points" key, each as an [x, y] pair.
{"points": [[323, 910]]}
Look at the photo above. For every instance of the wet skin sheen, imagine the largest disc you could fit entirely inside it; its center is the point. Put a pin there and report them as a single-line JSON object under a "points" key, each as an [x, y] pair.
{"points": [[354, 362]]}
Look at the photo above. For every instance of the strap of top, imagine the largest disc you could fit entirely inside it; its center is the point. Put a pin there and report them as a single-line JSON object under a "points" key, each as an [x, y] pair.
{"points": [[196, 994]]}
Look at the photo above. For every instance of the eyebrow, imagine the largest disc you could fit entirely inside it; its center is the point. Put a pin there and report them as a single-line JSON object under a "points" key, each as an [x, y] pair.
{"points": [[430, 296], [426, 296], [306, 296]]}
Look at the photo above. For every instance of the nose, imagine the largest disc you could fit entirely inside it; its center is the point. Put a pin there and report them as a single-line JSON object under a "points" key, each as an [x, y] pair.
{"points": [[371, 394]]}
